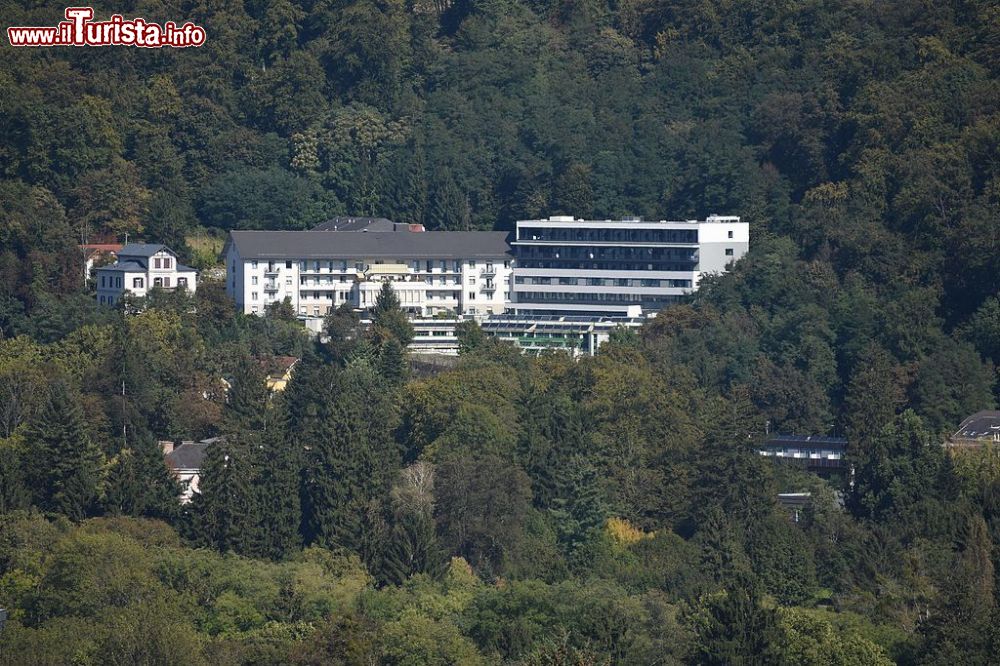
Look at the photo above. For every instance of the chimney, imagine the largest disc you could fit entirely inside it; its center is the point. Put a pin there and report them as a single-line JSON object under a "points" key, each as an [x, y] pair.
{"points": [[167, 446]]}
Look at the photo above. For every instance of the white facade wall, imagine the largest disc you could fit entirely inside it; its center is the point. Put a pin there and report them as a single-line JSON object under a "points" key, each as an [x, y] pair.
{"points": [[612, 287], [159, 269], [316, 287]]}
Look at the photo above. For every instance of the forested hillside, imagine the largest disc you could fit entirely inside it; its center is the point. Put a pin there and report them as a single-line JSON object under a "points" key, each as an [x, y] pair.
{"points": [[510, 510]]}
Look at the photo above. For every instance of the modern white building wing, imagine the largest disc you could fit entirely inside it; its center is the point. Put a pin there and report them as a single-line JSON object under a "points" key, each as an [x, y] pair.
{"points": [[617, 268]]}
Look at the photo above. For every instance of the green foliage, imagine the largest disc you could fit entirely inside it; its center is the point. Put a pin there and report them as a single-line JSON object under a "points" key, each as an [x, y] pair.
{"points": [[860, 144], [63, 465]]}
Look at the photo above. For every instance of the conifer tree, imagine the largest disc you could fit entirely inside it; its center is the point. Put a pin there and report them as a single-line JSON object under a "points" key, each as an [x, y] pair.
{"points": [[735, 629], [247, 405], [350, 455], [412, 544], [14, 492], [225, 514], [279, 492], [392, 363], [64, 464], [139, 482], [388, 318], [961, 627]]}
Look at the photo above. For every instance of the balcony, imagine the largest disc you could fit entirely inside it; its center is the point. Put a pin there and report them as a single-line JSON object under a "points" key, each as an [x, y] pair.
{"points": [[270, 288], [271, 272], [488, 272]]}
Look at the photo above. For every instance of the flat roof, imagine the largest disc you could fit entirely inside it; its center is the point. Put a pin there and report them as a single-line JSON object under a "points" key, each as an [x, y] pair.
{"points": [[326, 245]]}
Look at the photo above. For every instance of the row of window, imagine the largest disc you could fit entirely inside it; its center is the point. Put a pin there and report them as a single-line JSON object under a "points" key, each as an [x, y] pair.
{"points": [[108, 282], [590, 297], [605, 282], [600, 254], [612, 235], [405, 297], [442, 265]]}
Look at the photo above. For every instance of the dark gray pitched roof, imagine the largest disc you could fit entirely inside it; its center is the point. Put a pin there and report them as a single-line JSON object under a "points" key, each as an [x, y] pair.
{"points": [[142, 249], [981, 425], [125, 266], [326, 245], [189, 455], [356, 224]]}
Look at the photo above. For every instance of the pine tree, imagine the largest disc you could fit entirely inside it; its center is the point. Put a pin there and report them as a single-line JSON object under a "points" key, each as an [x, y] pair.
{"points": [[388, 318], [345, 333], [960, 628], [873, 396], [64, 465], [392, 362], [279, 494], [225, 515], [412, 544], [14, 492], [350, 456], [247, 405], [139, 482], [735, 629], [412, 548], [579, 507]]}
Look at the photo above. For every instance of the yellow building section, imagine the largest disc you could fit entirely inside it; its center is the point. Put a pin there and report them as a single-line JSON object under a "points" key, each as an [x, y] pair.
{"points": [[279, 371]]}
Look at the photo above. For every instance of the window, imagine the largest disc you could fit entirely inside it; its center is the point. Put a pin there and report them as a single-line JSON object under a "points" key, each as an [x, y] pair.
{"points": [[102, 300], [288, 264], [118, 282], [157, 262], [429, 265], [166, 282], [472, 279], [252, 263], [137, 283], [253, 280], [158, 282], [253, 309], [730, 234], [166, 263], [102, 281], [182, 282], [316, 266], [472, 295], [253, 295], [729, 251], [288, 282]]}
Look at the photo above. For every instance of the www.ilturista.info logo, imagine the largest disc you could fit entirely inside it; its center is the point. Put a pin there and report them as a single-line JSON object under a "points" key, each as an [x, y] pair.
{"points": [[79, 30]]}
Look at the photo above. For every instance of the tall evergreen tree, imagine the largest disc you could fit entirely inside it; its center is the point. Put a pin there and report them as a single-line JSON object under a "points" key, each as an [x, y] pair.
{"points": [[350, 456], [412, 546], [735, 629], [139, 482], [247, 404], [63, 463], [279, 492], [873, 396], [961, 627], [392, 363], [388, 318], [225, 514]]}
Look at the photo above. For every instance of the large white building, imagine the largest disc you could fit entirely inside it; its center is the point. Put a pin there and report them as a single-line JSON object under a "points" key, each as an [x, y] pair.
{"points": [[139, 268], [617, 268], [433, 272]]}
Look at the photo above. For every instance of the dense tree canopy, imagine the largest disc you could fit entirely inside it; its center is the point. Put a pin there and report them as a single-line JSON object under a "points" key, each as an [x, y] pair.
{"points": [[508, 509]]}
